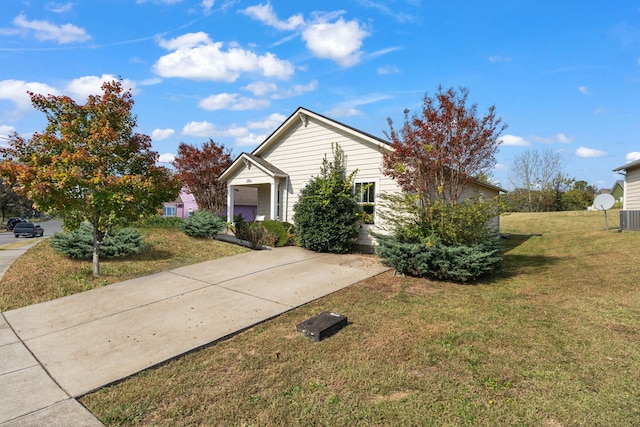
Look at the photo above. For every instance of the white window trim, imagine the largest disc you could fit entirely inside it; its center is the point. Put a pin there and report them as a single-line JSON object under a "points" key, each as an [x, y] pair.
{"points": [[376, 183]]}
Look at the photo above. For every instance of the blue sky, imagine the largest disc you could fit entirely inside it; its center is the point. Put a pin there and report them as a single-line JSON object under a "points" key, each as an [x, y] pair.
{"points": [[564, 75]]}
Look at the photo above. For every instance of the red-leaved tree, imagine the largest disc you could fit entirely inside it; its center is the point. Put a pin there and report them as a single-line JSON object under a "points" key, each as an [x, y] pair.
{"points": [[200, 169], [439, 152]]}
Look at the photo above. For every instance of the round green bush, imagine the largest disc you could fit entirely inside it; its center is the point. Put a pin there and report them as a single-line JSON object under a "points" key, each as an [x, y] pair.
{"points": [[203, 224], [278, 229]]}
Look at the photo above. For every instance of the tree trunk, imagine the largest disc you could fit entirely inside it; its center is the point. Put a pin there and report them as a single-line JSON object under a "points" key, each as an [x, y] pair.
{"points": [[96, 251]]}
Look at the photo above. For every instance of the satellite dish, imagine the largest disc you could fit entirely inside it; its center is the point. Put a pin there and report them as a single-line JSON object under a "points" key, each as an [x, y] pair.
{"points": [[603, 202]]}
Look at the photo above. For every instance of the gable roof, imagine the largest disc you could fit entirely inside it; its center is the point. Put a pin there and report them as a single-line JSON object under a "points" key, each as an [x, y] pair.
{"points": [[628, 166], [247, 160], [303, 115]]}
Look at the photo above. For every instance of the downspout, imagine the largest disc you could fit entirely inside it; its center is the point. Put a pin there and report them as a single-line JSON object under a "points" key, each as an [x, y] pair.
{"points": [[286, 199]]}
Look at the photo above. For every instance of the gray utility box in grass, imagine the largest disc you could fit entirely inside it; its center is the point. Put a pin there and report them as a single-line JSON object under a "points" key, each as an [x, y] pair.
{"points": [[322, 326]]}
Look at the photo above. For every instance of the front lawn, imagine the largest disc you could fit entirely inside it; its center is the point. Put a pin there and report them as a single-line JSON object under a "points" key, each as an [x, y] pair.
{"points": [[553, 341]]}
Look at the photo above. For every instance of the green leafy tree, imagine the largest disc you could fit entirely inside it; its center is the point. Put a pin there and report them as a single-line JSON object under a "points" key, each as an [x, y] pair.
{"points": [[326, 214], [88, 164], [12, 204]]}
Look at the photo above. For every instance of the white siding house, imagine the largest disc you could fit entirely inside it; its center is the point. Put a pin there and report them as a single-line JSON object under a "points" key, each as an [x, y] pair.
{"points": [[285, 162], [630, 214]]}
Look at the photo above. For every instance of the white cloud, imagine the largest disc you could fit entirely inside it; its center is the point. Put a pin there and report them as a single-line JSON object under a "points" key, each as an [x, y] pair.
{"points": [[197, 57], [160, 134], [558, 138], [344, 111], [632, 156], [59, 7], [339, 41], [499, 167], [203, 129], [261, 88], [6, 130], [513, 141], [209, 130], [250, 139], [388, 69], [16, 92], [232, 101], [265, 14], [564, 139], [44, 30], [207, 5], [166, 158], [584, 90], [79, 89], [270, 122], [589, 152], [296, 90]]}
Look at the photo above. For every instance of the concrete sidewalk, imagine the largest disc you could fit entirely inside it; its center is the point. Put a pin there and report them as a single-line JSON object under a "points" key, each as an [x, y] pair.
{"points": [[88, 340]]}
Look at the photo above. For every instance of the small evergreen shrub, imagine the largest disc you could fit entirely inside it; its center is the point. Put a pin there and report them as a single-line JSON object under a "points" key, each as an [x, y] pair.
{"points": [[78, 244], [203, 224], [256, 234], [430, 258], [277, 228]]}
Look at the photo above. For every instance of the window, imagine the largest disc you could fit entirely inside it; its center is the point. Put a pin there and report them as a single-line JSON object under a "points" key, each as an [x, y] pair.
{"points": [[366, 196], [169, 211]]}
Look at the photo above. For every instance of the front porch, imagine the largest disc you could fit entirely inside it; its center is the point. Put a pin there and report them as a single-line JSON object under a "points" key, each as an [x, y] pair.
{"points": [[270, 182]]}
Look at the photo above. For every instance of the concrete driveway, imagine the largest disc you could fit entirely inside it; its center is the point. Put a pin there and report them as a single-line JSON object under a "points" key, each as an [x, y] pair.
{"points": [[88, 340]]}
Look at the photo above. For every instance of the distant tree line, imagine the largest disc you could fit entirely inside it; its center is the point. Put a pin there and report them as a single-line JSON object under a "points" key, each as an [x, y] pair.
{"points": [[540, 185]]}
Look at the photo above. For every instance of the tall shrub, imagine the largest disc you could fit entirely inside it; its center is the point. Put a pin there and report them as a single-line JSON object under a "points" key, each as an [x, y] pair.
{"points": [[326, 214]]}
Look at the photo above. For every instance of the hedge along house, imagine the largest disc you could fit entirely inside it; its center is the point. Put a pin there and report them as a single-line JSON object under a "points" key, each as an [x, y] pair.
{"points": [[287, 160], [630, 213]]}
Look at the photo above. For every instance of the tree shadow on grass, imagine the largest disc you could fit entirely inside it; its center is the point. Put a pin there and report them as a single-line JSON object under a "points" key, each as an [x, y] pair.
{"points": [[512, 241], [517, 264]]}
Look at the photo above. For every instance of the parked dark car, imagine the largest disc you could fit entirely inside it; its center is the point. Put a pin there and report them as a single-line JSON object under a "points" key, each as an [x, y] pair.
{"points": [[28, 229], [11, 222]]}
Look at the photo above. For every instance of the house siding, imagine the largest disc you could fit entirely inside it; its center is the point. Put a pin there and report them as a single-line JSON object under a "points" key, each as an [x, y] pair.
{"points": [[248, 176], [632, 190], [300, 154]]}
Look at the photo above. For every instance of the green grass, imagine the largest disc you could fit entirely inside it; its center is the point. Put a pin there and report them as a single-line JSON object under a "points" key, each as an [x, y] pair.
{"points": [[553, 341], [43, 274]]}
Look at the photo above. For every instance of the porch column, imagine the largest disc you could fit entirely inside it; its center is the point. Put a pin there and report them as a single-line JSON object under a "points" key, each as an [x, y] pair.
{"points": [[230, 203], [274, 200]]}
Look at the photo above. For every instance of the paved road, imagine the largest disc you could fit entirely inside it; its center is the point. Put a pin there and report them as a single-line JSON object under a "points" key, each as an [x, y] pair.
{"points": [[50, 228]]}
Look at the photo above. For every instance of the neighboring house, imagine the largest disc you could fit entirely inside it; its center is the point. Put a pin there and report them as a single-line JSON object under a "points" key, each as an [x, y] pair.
{"points": [[183, 207], [286, 161], [618, 191], [630, 213]]}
